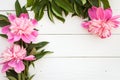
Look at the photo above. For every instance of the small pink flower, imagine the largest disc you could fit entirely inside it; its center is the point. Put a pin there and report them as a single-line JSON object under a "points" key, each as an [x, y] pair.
{"points": [[101, 22], [20, 28], [13, 58]]}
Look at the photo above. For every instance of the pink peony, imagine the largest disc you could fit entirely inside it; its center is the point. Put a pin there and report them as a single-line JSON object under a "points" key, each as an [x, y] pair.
{"points": [[20, 28], [101, 22], [13, 58]]}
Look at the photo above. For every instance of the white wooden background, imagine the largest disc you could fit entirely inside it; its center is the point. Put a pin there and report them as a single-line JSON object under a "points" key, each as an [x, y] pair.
{"points": [[77, 54]]}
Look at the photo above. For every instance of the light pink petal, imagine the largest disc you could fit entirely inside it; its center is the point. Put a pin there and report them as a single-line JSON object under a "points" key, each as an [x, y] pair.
{"points": [[34, 21], [5, 67], [13, 63], [26, 38], [115, 17], [100, 13], [10, 37], [30, 58], [19, 67], [24, 15], [108, 13], [5, 29], [92, 12], [11, 17], [17, 37]]}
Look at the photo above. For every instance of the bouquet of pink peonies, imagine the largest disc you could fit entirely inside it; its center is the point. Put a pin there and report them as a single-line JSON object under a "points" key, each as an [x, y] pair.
{"points": [[20, 31]]}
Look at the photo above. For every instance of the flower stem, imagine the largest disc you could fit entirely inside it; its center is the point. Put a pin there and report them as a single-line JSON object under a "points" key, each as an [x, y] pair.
{"points": [[19, 76]]}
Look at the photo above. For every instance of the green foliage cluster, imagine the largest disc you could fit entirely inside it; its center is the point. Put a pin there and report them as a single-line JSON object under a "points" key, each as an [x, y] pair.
{"points": [[59, 8]]}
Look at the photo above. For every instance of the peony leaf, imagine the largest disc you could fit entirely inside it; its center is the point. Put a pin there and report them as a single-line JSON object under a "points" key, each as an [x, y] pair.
{"points": [[41, 54], [56, 10], [65, 4], [31, 77], [18, 8], [83, 2], [30, 3], [94, 2], [49, 11], [11, 78], [3, 35], [105, 4], [24, 10]]}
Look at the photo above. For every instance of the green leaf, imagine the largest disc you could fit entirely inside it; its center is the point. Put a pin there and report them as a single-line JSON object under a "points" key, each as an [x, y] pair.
{"points": [[3, 35], [49, 11], [94, 2], [18, 8], [41, 54], [3, 23], [24, 10], [83, 2], [3, 17], [12, 73], [33, 52], [11, 78], [65, 4], [31, 77], [105, 4], [56, 10], [38, 45], [30, 3]]}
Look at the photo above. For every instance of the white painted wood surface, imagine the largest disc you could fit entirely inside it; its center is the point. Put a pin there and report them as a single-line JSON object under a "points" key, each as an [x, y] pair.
{"points": [[77, 54]]}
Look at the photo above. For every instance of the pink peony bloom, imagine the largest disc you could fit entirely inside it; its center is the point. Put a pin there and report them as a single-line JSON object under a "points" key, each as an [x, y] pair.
{"points": [[101, 22], [13, 58], [20, 28]]}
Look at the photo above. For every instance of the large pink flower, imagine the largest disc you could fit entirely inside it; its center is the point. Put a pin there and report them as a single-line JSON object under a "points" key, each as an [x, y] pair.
{"points": [[101, 22], [13, 58], [20, 28]]}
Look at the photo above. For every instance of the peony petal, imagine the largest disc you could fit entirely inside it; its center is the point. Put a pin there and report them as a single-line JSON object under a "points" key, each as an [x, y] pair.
{"points": [[26, 38], [5, 29], [24, 15], [11, 17], [34, 21], [5, 67], [86, 25], [12, 63], [19, 67], [10, 37], [30, 58], [108, 13], [100, 13], [92, 12]]}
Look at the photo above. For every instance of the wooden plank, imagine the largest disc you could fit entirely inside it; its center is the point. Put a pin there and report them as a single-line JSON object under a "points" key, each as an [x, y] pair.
{"points": [[75, 69], [78, 45]]}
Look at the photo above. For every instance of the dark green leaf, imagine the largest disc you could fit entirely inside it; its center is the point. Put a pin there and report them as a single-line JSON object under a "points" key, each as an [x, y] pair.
{"points": [[56, 10], [12, 73], [3, 23], [3, 17], [18, 8], [105, 4], [65, 4], [94, 2], [49, 11], [11, 78], [24, 10], [41, 54], [38, 45], [3, 35], [30, 3]]}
